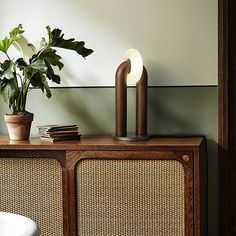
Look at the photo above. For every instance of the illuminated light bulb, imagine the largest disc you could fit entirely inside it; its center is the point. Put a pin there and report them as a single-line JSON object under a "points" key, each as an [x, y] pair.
{"points": [[136, 62]]}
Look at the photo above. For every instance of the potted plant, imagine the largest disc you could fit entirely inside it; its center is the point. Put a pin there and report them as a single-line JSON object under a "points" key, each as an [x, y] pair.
{"points": [[18, 75]]}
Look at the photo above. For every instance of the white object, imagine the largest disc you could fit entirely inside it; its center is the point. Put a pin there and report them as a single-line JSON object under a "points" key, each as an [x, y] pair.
{"points": [[136, 66], [17, 225]]}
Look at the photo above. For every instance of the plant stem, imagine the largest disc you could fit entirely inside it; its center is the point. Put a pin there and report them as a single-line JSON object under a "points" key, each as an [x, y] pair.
{"points": [[20, 78], [8, 56]]}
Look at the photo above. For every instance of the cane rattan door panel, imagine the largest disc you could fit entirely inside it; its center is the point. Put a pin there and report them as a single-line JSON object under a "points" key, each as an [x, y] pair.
{"points": [[130, 197], [33, 187]]}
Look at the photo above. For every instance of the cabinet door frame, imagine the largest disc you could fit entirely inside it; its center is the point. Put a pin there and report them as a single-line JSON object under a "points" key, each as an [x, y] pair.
{"points": [[192, 181], [58, 155]]}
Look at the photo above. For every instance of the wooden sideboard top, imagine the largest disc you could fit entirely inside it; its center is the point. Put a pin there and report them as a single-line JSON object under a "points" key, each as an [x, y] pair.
{"points": [[104, 142]]}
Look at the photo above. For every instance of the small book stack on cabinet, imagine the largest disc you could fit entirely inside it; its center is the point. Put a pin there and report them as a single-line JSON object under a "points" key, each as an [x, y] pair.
{"points": [[54, 133]]}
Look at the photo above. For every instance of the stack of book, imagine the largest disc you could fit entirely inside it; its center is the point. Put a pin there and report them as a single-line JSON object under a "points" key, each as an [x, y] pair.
{"points": [[55, 133]]}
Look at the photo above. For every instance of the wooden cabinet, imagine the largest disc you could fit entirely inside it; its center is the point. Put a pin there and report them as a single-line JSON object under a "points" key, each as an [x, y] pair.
{"points": [[98, 186]]}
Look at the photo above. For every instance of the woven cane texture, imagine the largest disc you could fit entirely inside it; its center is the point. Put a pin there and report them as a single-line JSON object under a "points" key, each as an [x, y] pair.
{"points": [[33, 187], [130, 198]]}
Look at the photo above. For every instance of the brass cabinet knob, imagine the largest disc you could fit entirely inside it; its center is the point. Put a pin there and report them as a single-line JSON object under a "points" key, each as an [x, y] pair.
{"points": [[186, 157]]}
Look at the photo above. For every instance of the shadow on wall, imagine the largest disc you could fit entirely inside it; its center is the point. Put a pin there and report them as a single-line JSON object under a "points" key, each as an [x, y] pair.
{"points": [[96, 116], [170, 110], [183, 111], [90, 108]]}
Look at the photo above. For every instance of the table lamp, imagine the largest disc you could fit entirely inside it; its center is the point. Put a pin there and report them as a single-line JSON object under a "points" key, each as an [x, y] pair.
{"points": [[132, 72]]}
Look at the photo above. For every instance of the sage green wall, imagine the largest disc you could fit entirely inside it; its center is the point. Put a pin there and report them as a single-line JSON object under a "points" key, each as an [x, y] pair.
{"points": [[172, 110]]}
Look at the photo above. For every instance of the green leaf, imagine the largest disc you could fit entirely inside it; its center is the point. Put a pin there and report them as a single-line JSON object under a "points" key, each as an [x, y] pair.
{"points": [[8, 91], [32, 47], [39, 80], [27, 71], [6, 42], [39, 65], [7, 69], [50, 56], [21, 64], [1, 82], [43, 43], [16, 31], [36, 80], [47, 88], [56, 40], [51, 75]]}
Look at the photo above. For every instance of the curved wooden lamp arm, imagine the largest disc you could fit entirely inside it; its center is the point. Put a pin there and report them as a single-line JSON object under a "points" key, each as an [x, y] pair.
{"points": [[121, 99]]}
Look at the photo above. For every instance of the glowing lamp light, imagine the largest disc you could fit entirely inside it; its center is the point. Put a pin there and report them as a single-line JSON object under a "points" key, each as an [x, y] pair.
{"points": [[132, 72], [136, 62]]}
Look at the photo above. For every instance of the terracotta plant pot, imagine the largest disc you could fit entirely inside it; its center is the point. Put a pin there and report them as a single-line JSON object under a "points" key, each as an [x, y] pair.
{"points": [[19, 126]]}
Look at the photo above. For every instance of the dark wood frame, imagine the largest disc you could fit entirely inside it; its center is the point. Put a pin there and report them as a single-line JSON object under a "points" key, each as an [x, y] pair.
{"points": [[227, 115], [195, 204]]}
